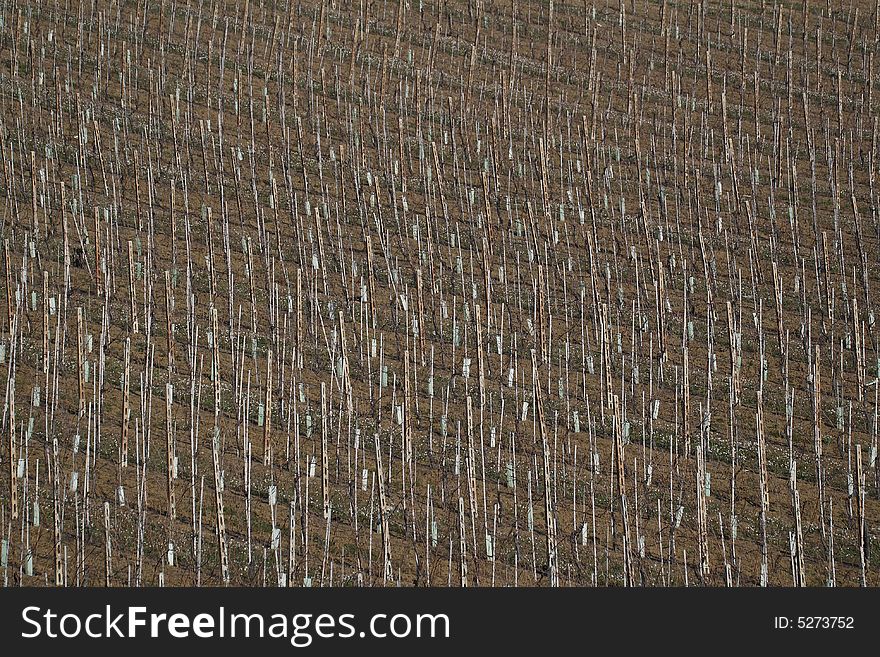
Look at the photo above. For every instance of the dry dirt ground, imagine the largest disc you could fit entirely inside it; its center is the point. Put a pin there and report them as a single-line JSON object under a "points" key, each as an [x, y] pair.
{"points": [[513, 294]]}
